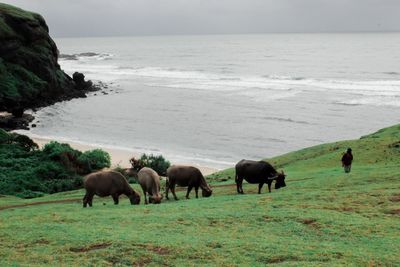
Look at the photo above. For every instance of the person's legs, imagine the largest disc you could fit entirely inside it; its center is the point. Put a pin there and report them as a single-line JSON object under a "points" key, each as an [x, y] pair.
{"points": [[347, 168]]}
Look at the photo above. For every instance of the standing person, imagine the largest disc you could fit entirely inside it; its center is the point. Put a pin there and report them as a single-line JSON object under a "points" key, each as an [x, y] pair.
{"points": [[347, 159]]}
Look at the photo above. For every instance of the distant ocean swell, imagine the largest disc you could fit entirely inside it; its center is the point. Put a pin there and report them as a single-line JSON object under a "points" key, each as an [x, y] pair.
{"points": [[363, 92]]}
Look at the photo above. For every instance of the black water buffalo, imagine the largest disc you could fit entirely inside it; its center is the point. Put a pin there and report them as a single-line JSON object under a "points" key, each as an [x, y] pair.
{"points": [[186, 176], [257, 172]]}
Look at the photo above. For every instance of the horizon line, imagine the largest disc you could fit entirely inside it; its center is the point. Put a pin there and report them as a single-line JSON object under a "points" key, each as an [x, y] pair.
{"points": [[212, 34]]}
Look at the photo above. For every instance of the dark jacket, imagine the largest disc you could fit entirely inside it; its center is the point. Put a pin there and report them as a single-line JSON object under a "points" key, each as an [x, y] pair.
{"points": [[347, 159]]}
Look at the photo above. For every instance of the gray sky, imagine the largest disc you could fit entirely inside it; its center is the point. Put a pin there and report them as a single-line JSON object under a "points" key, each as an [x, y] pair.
{"points": [[68, 18]]}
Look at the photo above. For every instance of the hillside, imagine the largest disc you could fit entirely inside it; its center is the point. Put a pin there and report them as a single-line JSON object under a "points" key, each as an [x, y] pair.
{"points": [[322, 218], [29, 72]]}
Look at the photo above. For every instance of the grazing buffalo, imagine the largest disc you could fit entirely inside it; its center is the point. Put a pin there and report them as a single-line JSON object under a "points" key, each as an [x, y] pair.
{"points": [[149, 180], [186, 176], [257, 172], [108, 183]]}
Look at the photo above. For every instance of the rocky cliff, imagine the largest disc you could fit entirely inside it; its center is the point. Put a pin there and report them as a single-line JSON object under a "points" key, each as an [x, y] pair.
{"points": [[30, 76]]}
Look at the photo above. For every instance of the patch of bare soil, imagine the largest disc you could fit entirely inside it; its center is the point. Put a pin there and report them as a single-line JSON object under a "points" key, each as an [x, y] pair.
{"points": [[326, 256], [342, 208], [41, 242], [308, 221], [280, 259], [90, 247], [32, 244], [143, 261], [266, 218], [393, 212], [311, 222], [395, 198], [155, 249]]}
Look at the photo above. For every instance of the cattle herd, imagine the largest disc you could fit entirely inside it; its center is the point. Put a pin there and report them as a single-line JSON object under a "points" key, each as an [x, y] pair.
{"points": [[114, 184]]}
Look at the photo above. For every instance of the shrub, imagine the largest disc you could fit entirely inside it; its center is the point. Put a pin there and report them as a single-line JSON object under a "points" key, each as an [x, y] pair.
{"points": [[24, 141], [96, 159], [157, 163], [27, 172], [57, 151], [49, 170]]}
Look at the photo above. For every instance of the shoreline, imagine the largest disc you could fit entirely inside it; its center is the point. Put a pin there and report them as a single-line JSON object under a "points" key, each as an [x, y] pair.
{"points": [[119, 157]]}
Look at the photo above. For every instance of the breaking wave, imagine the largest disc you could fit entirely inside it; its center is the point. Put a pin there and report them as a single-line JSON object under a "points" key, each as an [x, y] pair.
{"points": [[393, 101], [259, 88], [86, 56]]}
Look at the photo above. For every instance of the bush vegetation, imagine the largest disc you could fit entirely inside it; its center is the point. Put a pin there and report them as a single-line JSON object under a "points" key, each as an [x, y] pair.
{"points": [[27, 171], [156, 162]]}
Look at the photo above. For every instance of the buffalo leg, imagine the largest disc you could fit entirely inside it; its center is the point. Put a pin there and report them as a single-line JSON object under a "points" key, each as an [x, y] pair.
{"points": [[173, 192], [239, 188], [196, 189], [167, 189], [116, 199], [188, 191], [259, 187], [89, 199], [269, 186], [145, 196], [85, 201], [237, 183]]}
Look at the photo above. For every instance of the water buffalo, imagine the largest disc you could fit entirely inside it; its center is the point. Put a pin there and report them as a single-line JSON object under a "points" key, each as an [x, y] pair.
{"points": [[186, 176], [149, 180], [257, 172], [108, 183]]}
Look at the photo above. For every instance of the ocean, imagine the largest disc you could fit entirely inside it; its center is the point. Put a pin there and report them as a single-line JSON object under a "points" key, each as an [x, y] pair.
{"points": [[214, 100]]}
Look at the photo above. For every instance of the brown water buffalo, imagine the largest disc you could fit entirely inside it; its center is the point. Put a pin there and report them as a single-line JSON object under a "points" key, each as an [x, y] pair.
{"points": [[108, 183], [186, 176], [149, 180], [257, 172]]}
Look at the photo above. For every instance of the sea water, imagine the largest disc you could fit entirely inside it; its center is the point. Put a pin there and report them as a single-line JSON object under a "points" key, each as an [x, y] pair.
{"points": [[217, 99]]}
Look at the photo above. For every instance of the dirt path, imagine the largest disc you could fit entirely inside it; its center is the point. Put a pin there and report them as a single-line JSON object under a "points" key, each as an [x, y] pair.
{"points": [[41, 203], [71, 200]]}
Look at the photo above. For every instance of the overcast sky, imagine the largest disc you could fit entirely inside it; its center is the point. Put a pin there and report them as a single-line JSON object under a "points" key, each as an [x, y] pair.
{"points": [[73, 18]]}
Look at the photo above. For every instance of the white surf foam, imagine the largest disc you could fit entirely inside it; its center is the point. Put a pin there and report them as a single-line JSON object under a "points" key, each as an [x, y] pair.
{"points": [[260, 88], [374, 101]]}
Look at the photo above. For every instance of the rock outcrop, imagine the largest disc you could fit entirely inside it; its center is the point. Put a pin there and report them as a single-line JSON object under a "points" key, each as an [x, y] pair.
{"points": [[30, 75]]}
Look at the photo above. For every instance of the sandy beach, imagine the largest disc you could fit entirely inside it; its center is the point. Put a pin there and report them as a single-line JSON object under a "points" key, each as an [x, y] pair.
{"points": [[118, 156]]}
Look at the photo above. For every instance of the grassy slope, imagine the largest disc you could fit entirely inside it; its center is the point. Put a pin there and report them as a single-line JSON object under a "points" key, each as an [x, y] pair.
{"points": [[323, 217]]}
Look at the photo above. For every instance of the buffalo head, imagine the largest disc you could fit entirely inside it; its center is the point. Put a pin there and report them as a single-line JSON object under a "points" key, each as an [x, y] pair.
{"points": [[134, 198], [280, 180], [206, 191], [156, 199]]}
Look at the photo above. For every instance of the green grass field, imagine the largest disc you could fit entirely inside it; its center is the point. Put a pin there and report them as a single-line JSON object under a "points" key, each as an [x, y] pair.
{"points": [[323, 217]]}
